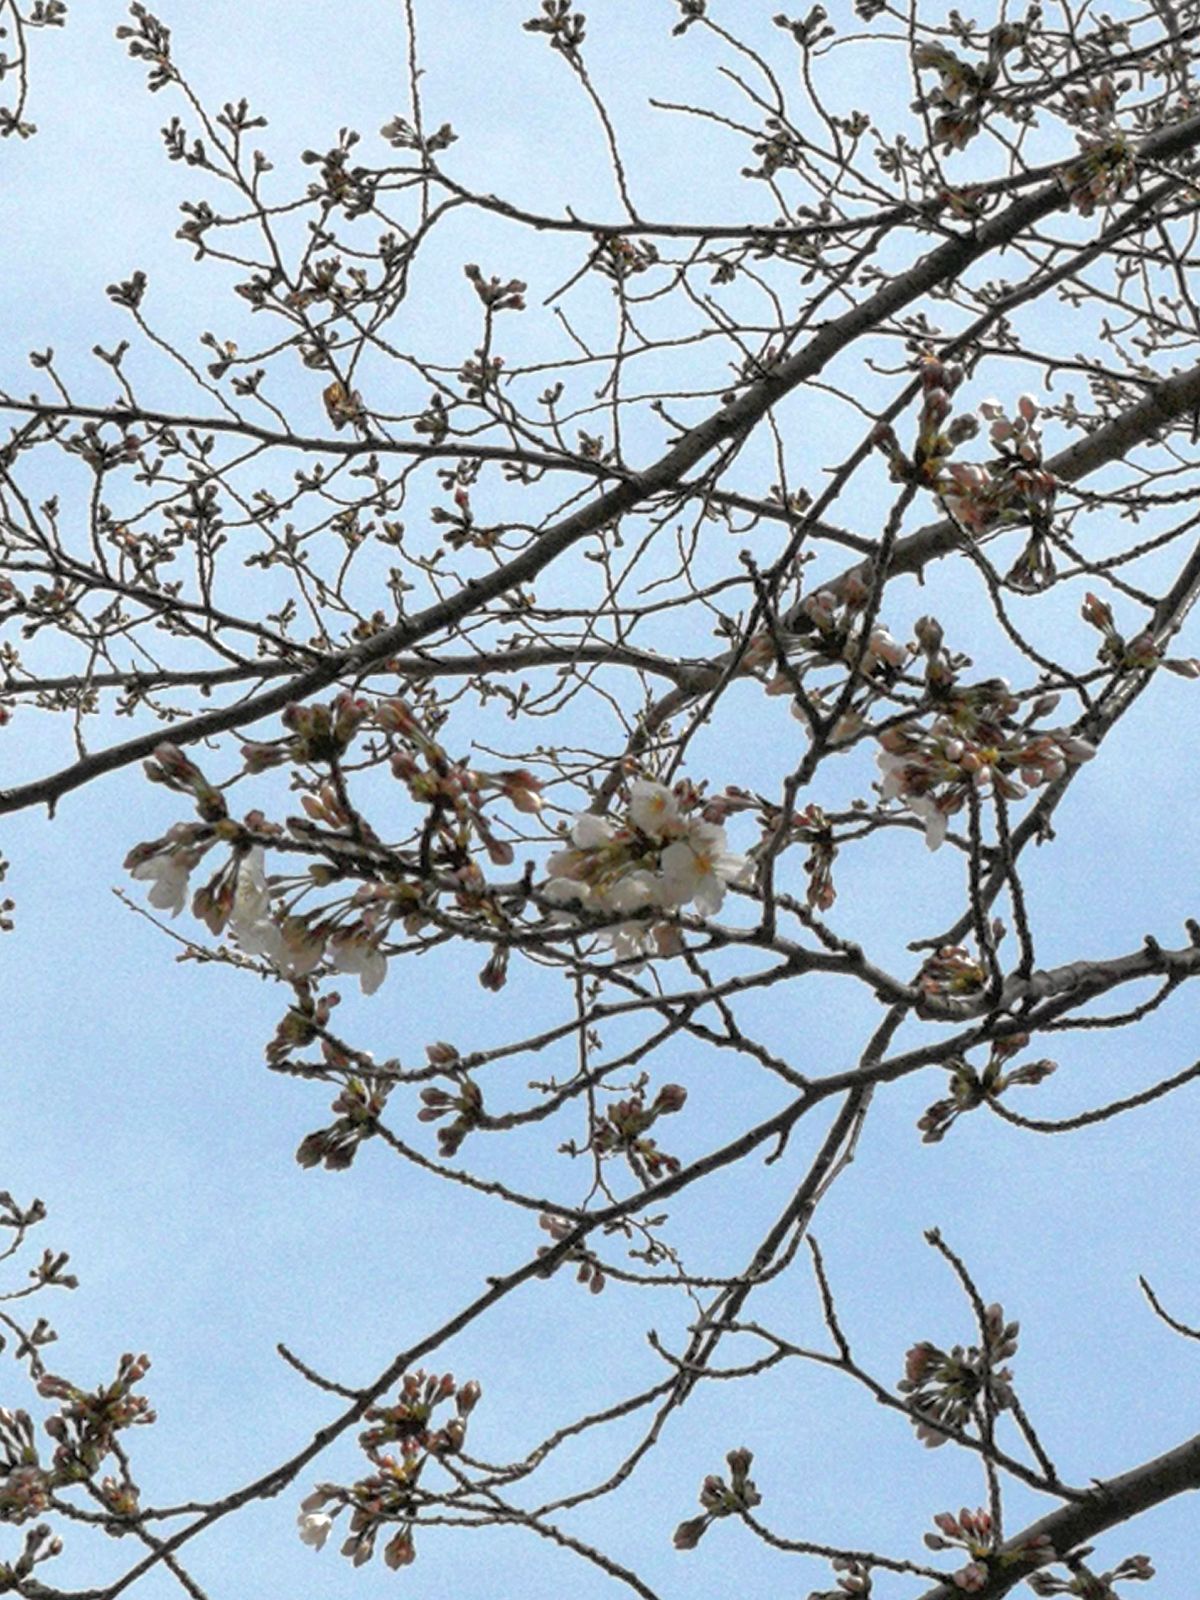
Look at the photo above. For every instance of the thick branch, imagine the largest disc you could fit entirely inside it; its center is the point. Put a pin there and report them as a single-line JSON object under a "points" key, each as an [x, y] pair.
{"points": [[1113, 1501]]}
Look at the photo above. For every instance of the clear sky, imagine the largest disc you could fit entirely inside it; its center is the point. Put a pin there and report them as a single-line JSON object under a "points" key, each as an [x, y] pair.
{"points": [[136, 1100]]}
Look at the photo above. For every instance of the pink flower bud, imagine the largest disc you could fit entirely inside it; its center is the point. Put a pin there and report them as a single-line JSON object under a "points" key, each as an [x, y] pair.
{"points": [[688, 1534]]}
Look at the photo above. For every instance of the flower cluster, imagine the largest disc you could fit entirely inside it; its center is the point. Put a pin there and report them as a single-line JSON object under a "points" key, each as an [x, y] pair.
{"points": [[393, 1493], [85, 1426], [167, 863], [1141, 653], [465, 1106], [963, 89], [810, 826], [296, 945], [935, 441], [300, 1024], [620, 258], [950, 973], [829, 629], [358, 1108], [625, 1126], [976, 1533], [25, 1485], [40, 1545], [854, 1579], [947, 1388], [588, 1270], [347, 935], [1089, 1585], [1013, 487], [661, 858], [969, 1088], [169, 766], [721, 1499], [238, 899], [973, 1532], [973, 745], [1101, 171]]}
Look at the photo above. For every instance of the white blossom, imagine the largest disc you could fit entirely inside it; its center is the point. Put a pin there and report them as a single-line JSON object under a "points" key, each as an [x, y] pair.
{"points": [[590, 832], [562, 891], [629, 941], [314, 1528], [697, 868], [252, 926], [351, 952], [654, 809], [934, 818], [168, 872], [265, 938], [882, 647], [633, 892], [892, 766], [252, 896]]}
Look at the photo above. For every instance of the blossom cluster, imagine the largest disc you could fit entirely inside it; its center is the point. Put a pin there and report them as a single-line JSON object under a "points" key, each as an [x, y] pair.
{"points": [[972, 1531], [357, 1108], [720, 1499], [1141, 653], [830, 628], [975, 1532], [973, 745], [393, 1493], [951, 973], [1012, 487], [1101, 171], [588, 1270], [947, 1388], [464, 1106], [348, 934], [85, 1425], [854, 1578], [964, 88], [1089, 1585], [969, 1088], [238, 899], [39, 1545], [661, 857], [25, 1485], [626, 1124]]}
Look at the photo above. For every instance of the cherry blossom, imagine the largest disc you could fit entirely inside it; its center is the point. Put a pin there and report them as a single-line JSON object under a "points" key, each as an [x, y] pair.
{"points": [[973, 746], [315, 1527], [654, 809], [169, 876], [358, 954], [167, 864], [697, 868]]}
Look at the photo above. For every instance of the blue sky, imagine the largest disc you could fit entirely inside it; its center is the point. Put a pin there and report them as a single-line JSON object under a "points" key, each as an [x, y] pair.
{"points": [[137, 1103]]}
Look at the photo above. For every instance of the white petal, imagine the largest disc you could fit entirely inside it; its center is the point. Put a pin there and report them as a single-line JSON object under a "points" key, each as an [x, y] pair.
{"points": [[736, 868], [632, 892], [252, 896], [590, 832], [653, 808], [314, 1528], [561, 891], [170, 892], [374, 970], [709, 894]]}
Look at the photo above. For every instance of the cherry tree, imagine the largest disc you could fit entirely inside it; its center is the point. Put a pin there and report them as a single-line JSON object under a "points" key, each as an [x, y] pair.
{"points": [[720, 632]]}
